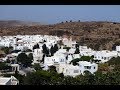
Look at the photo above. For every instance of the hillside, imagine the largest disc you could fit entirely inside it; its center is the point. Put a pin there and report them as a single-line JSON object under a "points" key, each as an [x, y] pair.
{"points": [[9, 23], [97, 35]]}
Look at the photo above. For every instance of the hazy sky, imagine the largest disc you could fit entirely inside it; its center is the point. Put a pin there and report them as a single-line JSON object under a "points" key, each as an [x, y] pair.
{"points": [[57, 13]]}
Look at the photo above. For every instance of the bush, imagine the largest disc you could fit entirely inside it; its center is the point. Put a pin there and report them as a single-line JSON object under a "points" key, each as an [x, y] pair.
{"points": [[114, 61], [67, 48]]}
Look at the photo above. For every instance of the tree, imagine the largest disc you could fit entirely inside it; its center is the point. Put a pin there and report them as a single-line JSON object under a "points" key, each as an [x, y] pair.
{"points": [[52, 51], [43, 58], [45, 49], [67, 48], [4, 66], [30, 56], [88, 79], [37, 67], [86, 58], [83, 58], [70, 20], [36, 46], [39, 77], [24, 60], [77, 51], [78, 20], [6, 50], [74, 62], [55, 48], [114, 61], [76, 46], [52, 69]]}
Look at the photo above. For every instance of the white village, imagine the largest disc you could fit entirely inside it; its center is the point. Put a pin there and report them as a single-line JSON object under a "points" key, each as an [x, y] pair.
{"points": [[58, 52]]}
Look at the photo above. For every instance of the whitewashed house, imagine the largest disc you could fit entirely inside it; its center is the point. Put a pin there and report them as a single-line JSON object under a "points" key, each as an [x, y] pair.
{"points": [[71, 70], [105, 55], [85, 51], [53, 60], [87, 66], [8, 81], [37, 55], [72, 50], [68, 42], [15, 67], [68, 70]]}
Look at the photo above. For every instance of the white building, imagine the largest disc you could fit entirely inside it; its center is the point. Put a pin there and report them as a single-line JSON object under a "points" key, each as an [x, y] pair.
{"points": [[85, 51], [118, 50], [8, 81], [53, 60], [87, 66], [15, 67], [68, 42], [71, 70], [37, 55], [105, 55], [68, 70]]}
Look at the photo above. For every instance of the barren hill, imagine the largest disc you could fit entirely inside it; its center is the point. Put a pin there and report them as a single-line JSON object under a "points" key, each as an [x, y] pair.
{"points": [[97, 35]]}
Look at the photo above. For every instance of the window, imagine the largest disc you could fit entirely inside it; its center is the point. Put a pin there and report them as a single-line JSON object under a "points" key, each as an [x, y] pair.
{"points": [[80, 71], [87, 67], [104, 58], [62, 60], [75, 71]]}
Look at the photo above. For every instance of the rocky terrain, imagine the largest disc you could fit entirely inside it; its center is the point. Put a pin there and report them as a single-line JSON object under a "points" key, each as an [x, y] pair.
{"points": [[97, 35]]}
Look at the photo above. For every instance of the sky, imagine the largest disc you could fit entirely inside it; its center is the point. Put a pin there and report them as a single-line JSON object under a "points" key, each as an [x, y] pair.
{"points": [[52, 14]]}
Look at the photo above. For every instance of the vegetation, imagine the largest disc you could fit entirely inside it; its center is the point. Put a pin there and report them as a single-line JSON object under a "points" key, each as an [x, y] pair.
{"points": [[49, 78], [83, 58], [74, 62], [37, 67], [104, 76], [67, 48], [77, 51], [55, 48], [28, 50], [114, 61], [76, 46], [4, 66], [24, 59], [45, 49], [7, 50], [52, 50], [36, 46], [30, 56], [42, 78]]}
